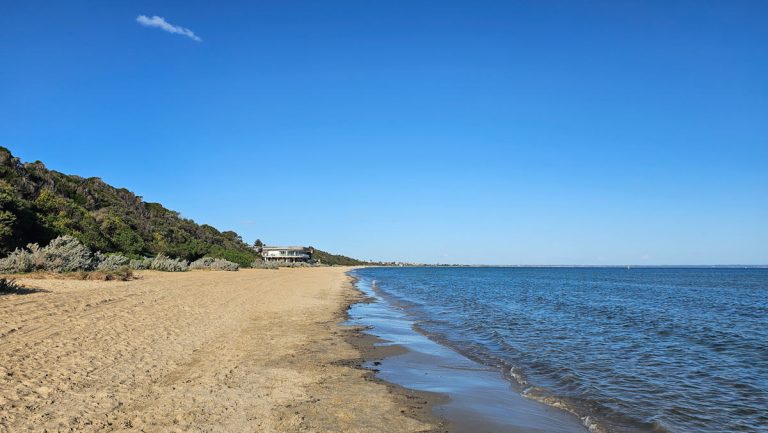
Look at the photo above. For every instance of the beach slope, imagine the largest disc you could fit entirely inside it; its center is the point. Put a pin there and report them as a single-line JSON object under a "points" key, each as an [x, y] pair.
{"points": [[247, 351]]}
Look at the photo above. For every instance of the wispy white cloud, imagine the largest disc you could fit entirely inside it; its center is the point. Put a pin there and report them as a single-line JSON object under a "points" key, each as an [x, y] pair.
{"points": [[161, 23]]}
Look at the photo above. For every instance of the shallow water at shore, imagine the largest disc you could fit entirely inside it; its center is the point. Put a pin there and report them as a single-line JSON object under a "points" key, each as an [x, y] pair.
{"points": [[480, 400], [645, 350]]}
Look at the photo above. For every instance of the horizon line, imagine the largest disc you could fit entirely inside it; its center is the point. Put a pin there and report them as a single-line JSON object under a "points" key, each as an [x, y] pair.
{"points": [[722, 266]]}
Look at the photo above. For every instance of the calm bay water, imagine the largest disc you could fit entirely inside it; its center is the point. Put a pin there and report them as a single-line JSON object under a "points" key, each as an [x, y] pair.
{"points": [[640, 350]]}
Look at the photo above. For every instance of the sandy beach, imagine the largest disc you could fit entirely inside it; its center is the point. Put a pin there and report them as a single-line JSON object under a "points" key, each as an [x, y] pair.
{"points": [[247, 351]]}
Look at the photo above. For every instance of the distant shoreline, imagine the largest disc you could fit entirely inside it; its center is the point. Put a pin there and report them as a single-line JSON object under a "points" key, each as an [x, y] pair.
{"points": [[631, 266]]}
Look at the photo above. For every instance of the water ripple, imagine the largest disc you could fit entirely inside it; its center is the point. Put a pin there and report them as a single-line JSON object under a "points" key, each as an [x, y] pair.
{"points": [[646, 350]]}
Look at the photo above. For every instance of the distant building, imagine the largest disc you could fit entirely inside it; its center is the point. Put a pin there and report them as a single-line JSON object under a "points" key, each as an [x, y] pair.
{"points": [[286, 254]]}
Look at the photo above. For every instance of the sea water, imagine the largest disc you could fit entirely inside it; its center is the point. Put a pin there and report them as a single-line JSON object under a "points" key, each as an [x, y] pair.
{"points": [[625, 350]]}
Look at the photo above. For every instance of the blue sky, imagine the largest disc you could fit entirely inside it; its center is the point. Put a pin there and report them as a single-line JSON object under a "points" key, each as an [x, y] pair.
{"points": [[509, 132]]}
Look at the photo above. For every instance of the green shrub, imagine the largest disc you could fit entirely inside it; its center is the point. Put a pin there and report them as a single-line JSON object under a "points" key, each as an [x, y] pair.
{"points": [[140, 264], [19, 261], [242, 258], [63, 254], [262, 264], [111, 262], [167, 264], [214, 264], [297, 265]]}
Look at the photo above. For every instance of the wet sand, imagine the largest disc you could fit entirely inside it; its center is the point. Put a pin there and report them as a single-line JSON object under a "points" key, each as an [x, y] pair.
{"points": [[247, 351]]}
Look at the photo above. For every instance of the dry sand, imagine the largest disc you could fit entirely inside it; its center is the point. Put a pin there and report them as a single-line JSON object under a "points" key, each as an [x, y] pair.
{"points": [[247, 351]]}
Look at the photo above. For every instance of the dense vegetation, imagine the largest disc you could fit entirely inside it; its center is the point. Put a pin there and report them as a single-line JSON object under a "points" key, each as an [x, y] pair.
{"points": [[335, 259], [66, 254], [38, 205]]}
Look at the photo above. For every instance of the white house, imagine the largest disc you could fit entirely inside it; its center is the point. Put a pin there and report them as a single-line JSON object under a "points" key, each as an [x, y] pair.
{"points": [[286, 254]]}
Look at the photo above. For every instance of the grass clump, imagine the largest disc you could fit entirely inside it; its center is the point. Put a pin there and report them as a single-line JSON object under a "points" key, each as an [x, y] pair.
{"points": [[120, 274], [9, 285]]}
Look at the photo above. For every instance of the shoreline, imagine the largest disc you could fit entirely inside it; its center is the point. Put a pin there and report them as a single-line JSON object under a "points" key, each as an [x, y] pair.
{"points": [[253, 350], [416, 404]]}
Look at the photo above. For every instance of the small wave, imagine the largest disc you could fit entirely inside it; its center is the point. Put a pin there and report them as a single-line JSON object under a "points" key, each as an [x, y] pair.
{"points": [[542, 396], [593, 423], [519, 376]]}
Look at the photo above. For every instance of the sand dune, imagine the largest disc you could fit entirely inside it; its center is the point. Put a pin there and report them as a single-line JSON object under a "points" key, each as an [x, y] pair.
{"points": [[248, 351]]}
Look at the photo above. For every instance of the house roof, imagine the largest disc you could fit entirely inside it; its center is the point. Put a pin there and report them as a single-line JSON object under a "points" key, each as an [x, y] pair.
{"points": [[285, 248]]}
